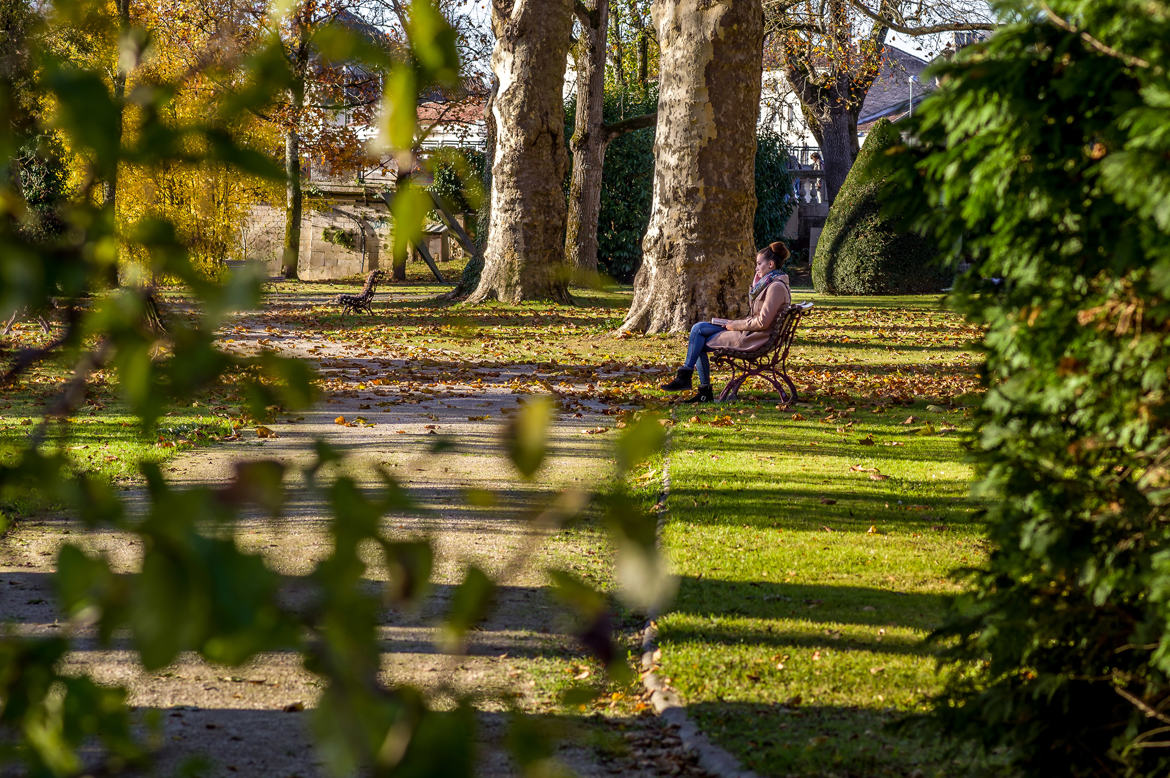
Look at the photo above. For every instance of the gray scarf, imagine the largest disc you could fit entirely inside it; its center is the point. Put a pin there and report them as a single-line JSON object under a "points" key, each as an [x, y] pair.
{"points": [[762, 284]]}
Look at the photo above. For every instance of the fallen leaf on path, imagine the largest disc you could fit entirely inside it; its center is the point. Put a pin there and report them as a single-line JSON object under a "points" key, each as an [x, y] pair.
{"points": [[264, 432], [339, 420]]}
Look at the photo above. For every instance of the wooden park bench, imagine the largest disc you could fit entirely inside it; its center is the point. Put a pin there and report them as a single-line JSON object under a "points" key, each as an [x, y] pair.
{"points": [[767, 361], [356, 303]]}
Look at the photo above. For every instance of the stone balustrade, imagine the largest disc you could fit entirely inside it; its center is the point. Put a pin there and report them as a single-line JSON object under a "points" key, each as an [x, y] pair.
{"points": [[808, 185]]}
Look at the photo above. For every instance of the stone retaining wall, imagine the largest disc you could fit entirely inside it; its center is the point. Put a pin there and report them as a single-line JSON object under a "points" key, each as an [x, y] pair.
{"points": [[347, 217]]}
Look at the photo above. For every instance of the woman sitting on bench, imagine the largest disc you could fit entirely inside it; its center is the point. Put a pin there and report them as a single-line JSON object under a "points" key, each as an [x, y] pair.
{"points": [[769, 295]]}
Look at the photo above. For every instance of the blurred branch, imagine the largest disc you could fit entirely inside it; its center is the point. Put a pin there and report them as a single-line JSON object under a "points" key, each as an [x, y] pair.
{"points": [[1064, 24]]}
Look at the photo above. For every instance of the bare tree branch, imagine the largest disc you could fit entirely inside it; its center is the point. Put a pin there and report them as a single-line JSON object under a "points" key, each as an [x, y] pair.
{"points": [[617, 129], [884, 19]]}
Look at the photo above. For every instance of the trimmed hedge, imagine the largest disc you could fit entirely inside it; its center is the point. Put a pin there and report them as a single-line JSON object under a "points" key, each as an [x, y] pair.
{"points": [[865, 251], [1044, 158]]}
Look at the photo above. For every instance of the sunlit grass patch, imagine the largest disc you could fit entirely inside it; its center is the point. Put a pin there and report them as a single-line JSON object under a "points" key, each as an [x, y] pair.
{"points": [[893, 351], [101, 437], [814, 546]]}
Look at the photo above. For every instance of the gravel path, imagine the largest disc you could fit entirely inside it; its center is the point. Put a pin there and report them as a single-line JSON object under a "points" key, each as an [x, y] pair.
{"points": [[246, 721]]}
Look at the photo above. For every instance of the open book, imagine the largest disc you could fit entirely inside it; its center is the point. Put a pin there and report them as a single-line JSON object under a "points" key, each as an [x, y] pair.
{"points": [[720, 322]]}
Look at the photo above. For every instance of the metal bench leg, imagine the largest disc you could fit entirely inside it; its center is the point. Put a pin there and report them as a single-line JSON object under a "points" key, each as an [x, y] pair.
{"points": [[731, 391]]}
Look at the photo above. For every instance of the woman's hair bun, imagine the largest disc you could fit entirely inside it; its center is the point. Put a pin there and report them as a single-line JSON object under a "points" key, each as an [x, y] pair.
{"points": [[779, 249]]}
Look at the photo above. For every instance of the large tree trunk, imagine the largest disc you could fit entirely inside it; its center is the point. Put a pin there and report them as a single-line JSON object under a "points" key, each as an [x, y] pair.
{"points": [[698, 249], [835, 129], [293, 201], [588, 142], [110, 182], [293, 193], [525, 252]]}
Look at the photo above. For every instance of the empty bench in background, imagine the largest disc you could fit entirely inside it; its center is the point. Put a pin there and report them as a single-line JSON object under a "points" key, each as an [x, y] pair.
{"points": [[768, 361], [355, 303]]}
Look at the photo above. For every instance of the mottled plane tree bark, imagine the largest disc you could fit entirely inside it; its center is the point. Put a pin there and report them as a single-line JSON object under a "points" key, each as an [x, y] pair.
{"points": [[525, 250], [698, 247]]}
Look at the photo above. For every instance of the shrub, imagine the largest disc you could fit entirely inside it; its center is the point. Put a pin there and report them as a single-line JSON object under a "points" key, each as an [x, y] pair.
{"points": [[865, 250], [339, 236], [1045, 157], [773, 188]]}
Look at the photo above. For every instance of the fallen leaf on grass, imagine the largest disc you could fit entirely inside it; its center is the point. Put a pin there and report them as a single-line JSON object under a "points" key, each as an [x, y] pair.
{"points": [[828, 501], [876, 476], [866, 441], [873, 530], [910, 420]]}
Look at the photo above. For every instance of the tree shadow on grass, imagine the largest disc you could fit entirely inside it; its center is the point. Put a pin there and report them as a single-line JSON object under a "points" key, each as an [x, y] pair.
{"points": [[807, 602], [808, 509], [827, 741]]}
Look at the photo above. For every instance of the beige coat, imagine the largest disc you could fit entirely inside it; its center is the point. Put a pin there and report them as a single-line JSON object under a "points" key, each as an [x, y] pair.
{"points": [[752, 332]]}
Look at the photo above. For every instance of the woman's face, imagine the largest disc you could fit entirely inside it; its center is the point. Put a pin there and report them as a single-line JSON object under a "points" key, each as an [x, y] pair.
{"points": [[763, 265]]}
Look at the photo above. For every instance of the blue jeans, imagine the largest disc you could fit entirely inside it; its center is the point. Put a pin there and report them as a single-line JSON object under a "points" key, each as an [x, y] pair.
{"points": [[697, 350]]}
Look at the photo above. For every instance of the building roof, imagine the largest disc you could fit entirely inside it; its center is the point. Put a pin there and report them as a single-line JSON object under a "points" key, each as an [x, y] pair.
{"points": [[890, 92], [466, 111]]}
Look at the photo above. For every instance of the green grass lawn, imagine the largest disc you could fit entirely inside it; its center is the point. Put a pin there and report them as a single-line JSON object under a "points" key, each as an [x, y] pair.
{"points": [[813, 544], [102, 437]]}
